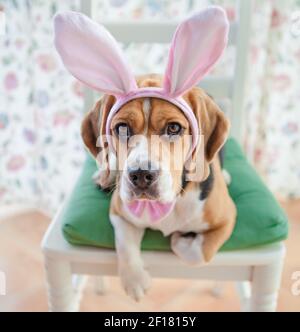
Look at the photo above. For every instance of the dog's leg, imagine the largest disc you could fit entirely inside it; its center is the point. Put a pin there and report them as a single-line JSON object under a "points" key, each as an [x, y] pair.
{"points": [[135, 279], [188, 247], [198, 249], [214, 239]]}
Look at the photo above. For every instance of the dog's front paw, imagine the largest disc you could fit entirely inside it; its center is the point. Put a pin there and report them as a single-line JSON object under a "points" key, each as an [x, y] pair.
{"points": [[136, 281], [188, 248]]}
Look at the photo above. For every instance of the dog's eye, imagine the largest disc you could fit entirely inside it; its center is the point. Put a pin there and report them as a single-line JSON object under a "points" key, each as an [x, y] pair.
{"points": [[122, 130], [173, 128]]}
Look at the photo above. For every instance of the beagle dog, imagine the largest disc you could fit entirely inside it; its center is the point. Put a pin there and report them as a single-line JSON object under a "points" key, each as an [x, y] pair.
{"points": [[203, 214], [138, 134]]}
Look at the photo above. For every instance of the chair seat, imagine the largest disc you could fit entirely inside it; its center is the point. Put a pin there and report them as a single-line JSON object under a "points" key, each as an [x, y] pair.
{"points": [[260, 220]]}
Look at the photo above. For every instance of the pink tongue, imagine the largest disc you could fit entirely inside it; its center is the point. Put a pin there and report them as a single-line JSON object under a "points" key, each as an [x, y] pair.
{"points": [[156, 210]]}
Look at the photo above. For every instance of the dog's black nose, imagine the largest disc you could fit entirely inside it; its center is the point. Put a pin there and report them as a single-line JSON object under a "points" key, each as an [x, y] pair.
{"points": [[143, 179]]}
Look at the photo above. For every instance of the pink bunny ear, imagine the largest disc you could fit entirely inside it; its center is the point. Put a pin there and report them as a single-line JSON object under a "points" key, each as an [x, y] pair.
{"points": [[197, 45], [91, 54]]}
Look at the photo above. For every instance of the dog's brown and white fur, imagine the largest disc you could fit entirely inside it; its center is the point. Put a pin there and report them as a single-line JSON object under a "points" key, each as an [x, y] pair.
{"points": [[204, 214]]}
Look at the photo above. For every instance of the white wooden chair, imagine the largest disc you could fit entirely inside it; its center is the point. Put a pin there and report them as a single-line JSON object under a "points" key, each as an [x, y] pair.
{"points": [[257, 271]]}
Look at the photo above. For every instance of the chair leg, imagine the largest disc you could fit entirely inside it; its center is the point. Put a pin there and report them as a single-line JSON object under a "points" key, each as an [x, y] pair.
{"points": [[218, 289], [265, 286], [101, 285], [60, 289], [244, 291], [78, 282]]}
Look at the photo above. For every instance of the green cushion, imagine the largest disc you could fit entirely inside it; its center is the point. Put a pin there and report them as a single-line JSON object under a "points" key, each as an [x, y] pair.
{"points": [[260, 219]]}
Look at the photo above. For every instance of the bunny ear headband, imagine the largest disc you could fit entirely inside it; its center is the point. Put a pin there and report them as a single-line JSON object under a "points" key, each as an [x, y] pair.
{"points": [[93, 56]]}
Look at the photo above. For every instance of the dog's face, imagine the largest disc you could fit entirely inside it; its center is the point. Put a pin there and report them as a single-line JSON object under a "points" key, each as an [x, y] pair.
{"points": [[152, 140], [149, 134]]}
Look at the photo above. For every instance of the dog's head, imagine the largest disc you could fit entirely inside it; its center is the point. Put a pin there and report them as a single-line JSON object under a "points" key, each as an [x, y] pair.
{"points": [[149, 150], [151, 140]]}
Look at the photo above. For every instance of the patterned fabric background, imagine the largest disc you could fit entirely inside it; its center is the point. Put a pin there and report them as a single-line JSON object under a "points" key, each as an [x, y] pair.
{"points": [[41, 105]]}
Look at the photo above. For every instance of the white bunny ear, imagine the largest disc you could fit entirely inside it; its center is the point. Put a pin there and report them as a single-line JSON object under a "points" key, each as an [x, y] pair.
{"points": [[197, 45], [91, 54]]}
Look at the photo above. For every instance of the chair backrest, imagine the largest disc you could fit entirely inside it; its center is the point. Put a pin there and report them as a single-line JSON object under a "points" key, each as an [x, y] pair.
{"points": [[229, 87]]}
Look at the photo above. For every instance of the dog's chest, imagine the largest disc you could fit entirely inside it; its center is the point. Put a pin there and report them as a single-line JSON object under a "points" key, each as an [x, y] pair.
{"points": [[187, 216]]}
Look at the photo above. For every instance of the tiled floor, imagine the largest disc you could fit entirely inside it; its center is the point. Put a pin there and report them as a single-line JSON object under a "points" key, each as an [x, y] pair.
{"points": [[21, 260]]}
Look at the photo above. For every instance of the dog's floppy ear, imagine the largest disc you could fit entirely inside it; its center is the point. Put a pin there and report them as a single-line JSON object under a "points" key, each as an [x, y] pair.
{"points": [[90, 129], [214, 130], [197, 44], [94, 137], [91, 54]]}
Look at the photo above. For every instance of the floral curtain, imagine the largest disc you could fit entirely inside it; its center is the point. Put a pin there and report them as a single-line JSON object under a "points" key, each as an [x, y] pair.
{"points": [[41, 105], [272, 139]]}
